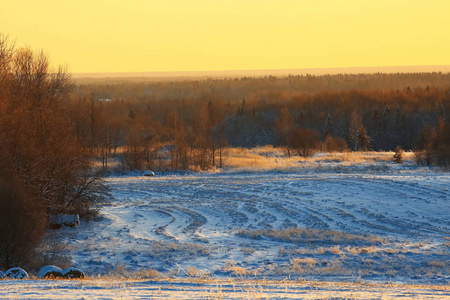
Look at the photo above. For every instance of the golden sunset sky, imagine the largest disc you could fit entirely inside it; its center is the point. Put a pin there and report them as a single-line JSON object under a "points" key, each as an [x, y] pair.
{"points": [[183, 35]]}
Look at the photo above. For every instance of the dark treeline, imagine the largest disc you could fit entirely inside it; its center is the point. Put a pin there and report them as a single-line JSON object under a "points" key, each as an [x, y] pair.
{"points": [[234, 89], [192, 121]]}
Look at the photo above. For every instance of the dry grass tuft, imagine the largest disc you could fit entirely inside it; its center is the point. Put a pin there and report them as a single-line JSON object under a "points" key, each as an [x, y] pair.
{"points": [[236, 270], [335, 250], [370, 249], [269, 158], [248, 251], [309, 236], [192, 271], [353, 250], [146, 273], [308, 261]]}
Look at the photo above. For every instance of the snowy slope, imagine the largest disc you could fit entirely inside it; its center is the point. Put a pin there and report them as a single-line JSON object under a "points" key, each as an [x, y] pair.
{"points": [[187, 225]]}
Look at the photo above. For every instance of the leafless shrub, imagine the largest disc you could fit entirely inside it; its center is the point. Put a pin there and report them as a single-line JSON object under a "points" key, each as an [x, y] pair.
{"points": [[332, 144], [52, 251], [398, 156], [305, 141], [433, 145]]}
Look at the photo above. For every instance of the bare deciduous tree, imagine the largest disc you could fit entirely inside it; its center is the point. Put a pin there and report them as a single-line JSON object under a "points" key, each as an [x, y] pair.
{"points": [[284, 124], [39, 143], [305, 141]]}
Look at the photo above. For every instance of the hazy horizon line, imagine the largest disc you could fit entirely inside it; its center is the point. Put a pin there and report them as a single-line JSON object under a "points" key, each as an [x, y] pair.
{"points": [[267, 72]]}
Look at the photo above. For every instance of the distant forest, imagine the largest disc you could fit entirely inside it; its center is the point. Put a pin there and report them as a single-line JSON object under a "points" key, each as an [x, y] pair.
{"points": [[193, 120]]}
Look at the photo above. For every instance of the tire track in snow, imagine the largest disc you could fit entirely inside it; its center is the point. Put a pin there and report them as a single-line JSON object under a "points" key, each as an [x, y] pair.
{"points": [[376, 204]]}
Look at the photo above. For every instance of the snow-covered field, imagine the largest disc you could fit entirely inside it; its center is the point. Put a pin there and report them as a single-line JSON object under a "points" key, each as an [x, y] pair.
{"points": [[379, 223], [107, 288]]}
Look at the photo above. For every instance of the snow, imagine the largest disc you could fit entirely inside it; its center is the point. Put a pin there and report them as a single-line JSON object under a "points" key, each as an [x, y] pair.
{"points": [[364, 229], [107, 288], [173, 222]]}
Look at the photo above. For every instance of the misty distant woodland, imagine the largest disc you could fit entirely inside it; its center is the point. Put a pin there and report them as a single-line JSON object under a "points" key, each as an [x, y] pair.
{"points": [[53, 128], [188, 124]]}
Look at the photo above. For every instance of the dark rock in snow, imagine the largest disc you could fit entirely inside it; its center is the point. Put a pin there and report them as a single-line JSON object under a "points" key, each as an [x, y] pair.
{"points": [[16, 273]]}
